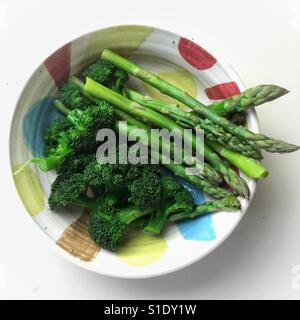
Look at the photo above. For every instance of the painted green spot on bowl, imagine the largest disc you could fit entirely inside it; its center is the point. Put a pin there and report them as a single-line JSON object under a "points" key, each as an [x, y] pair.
{"points": [[30, 190]]}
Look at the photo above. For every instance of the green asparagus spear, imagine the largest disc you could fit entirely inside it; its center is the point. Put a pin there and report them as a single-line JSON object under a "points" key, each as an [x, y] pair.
{"points": [[225, 204], [258, 140], [157, 119], [250, 167], [251, 97], [213, 132]]}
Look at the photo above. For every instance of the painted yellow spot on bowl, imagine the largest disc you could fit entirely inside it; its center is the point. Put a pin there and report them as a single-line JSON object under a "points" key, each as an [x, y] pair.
{"points": [[179, 78], [124, 39], [142, 249], [30, 190]]}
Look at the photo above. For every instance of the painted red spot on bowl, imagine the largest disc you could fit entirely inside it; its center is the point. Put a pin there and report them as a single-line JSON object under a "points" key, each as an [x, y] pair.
{"points": [[59, 64], [222, 91], [195, 55]]}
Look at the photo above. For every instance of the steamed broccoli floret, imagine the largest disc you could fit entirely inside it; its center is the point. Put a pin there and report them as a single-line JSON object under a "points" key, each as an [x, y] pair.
{"points": [[175, 198], [141, 182], [145, 191], [80, 137], [108, 223], [75, 163], [53, 132], [70, 95], [134, 171], [87, 123], [107, 74], [66, 189], [111, 175]]}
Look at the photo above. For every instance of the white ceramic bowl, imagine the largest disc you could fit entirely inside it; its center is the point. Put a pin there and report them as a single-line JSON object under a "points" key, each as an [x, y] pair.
{"points": [[175, 58]]}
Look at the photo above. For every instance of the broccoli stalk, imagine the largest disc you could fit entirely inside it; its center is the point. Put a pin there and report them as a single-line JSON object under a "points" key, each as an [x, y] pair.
{"points": [[175, 199], [55, 156], [85, 202]]}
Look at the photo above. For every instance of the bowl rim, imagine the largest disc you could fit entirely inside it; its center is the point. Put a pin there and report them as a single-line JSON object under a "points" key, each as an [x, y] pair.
{"points": [[251, 112]]}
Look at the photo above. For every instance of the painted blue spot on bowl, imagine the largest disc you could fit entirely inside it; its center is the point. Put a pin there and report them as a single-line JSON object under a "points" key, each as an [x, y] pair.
{"points": [[39, 116]]}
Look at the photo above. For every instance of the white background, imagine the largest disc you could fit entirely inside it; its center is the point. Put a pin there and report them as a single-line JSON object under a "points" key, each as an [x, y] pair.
{"points": [[261, 39]]}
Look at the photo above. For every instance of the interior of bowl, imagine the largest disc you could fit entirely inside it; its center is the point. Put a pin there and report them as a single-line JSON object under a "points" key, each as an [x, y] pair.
{"points": [[175, 59]]}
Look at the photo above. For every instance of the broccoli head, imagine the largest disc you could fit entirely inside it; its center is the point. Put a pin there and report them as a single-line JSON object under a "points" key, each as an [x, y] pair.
{"points": [[66, 189], [110, 175], [135, 171], [70, 95], [141, 183], [80, 137], [86, 124], [53, 133], [75, 163], [108, 223], [107, 74], [145, 191], [175, 198]]}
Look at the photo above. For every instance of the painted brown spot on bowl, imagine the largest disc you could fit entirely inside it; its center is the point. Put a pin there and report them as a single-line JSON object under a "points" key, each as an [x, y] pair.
{"points": [[76, 240]]}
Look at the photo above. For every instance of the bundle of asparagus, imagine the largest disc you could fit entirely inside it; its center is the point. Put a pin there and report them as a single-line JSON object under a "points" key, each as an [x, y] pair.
{"points": [[226, 143]]}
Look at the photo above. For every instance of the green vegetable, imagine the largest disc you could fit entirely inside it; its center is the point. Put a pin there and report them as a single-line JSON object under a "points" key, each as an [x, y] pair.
{"points": [[72, 98], [175, 198], [250, 167], [87, 123], [55, 155], [80, 137], [225, 204], [66, 189], [213, 132], [145, 191], [53, 132], [206, 171], [107, 74], [157, 119], [180, 170], [75, 163], [214, 191], [108, 222], [251, 97], [257, 140], [139, 182]]}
